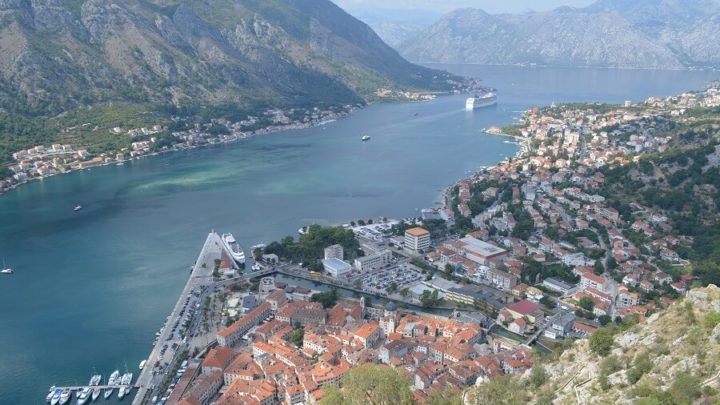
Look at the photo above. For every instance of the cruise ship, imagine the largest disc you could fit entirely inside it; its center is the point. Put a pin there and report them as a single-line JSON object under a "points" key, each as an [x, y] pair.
{"points": [[235, 250], [479, 101]]}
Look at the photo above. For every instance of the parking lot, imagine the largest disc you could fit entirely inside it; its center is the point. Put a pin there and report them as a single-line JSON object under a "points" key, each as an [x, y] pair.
{"points": [[378, 281]]}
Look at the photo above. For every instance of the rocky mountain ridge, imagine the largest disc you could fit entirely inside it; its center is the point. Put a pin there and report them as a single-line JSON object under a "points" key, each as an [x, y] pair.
{"points": [[643, 34], [59, 55]]}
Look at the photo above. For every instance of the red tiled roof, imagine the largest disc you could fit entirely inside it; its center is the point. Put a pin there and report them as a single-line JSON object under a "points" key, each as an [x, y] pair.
{"points": [[524, 307]]}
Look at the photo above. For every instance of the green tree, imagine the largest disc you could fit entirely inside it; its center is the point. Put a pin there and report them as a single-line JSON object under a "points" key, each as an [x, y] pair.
{"points": [[446, 396], [586, 303], [371, 384], [297, 336], [601, 341], [538, 376], [328, 299], [404, 292], [257, 254], [604, 320], [500, 391]]}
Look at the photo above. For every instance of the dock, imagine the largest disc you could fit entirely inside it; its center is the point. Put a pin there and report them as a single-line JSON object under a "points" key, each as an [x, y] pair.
{"points": [[102, 387]]}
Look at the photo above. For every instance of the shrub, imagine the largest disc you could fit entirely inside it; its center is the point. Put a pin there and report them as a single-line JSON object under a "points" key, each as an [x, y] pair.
{"points": [[601, 341], [711, 320]]}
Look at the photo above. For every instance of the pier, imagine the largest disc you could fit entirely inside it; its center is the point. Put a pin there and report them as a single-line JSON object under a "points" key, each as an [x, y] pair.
{"points": [[102, 387]]}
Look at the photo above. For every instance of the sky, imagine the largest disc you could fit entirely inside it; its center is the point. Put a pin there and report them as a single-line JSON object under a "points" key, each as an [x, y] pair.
{"points": [[444, 6]]}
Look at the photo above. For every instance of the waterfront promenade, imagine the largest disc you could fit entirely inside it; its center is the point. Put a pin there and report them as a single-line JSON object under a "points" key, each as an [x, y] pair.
{"points": [[151, 377]]}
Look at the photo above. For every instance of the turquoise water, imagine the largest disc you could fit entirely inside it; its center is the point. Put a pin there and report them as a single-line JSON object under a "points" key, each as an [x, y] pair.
{"points": [[92, 287]]}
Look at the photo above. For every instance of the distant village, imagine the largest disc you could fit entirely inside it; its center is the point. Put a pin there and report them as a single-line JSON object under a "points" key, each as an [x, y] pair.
{"points": [[42, 161]]}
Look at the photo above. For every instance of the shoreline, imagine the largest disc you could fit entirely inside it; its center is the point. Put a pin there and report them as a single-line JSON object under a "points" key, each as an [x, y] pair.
{"points": [[219, 141]]}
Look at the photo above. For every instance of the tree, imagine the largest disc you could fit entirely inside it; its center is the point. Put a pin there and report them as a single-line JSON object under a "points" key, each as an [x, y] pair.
{"points": [[298, 335], [538, 376], [392, 288], [586, 303], [601, 341], [370, 384], [257, 254], [449, 269], [604, 320], [428, 299], [404, 292], [500, 391], [548, 302], [328, 299]]}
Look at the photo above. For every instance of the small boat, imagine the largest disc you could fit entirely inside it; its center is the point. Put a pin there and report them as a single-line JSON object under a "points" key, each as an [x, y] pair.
{"points": [[113, 380], [365, 138], [50, 394], [8, 270], [77, 208], [142, 364], [55, 396], [65, 396]]}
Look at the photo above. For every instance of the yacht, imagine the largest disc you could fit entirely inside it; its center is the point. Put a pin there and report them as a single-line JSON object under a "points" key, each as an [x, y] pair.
{"points": [[235, 250], [55, 396], [113, 380], [365, 138], [95, 381], [50, 394], [84, 396], [65, 396], [479, 101], [261, 246], [77, 208], [125, 381], [142, 364]]}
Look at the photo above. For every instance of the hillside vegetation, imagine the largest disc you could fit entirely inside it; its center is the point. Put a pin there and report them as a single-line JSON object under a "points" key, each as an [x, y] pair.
{"points": [[673, 358]]}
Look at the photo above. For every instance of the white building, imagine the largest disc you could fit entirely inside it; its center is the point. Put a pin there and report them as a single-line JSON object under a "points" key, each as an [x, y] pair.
{"points": [[373, 261], [417, 239], [336, 267]]}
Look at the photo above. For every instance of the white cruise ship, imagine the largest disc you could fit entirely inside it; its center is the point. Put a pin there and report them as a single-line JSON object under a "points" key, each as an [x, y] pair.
{"points": [[235, 250], [479, 101]]}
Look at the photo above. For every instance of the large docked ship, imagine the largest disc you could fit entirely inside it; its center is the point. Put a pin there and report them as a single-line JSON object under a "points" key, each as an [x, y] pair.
{"points": [[235, 250], [479, 101]]}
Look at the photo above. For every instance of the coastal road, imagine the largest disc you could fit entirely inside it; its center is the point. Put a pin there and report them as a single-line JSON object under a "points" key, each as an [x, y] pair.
{"points": [[201, 276]]}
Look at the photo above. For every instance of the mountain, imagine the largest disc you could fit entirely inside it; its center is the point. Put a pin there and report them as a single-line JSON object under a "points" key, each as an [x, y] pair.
{"points": [[65, 54], [673, 357], [395, 26], [646, 34]]}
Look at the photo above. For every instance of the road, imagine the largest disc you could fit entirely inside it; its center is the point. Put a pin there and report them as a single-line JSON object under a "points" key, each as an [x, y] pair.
{"points": [[152, 376]]}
